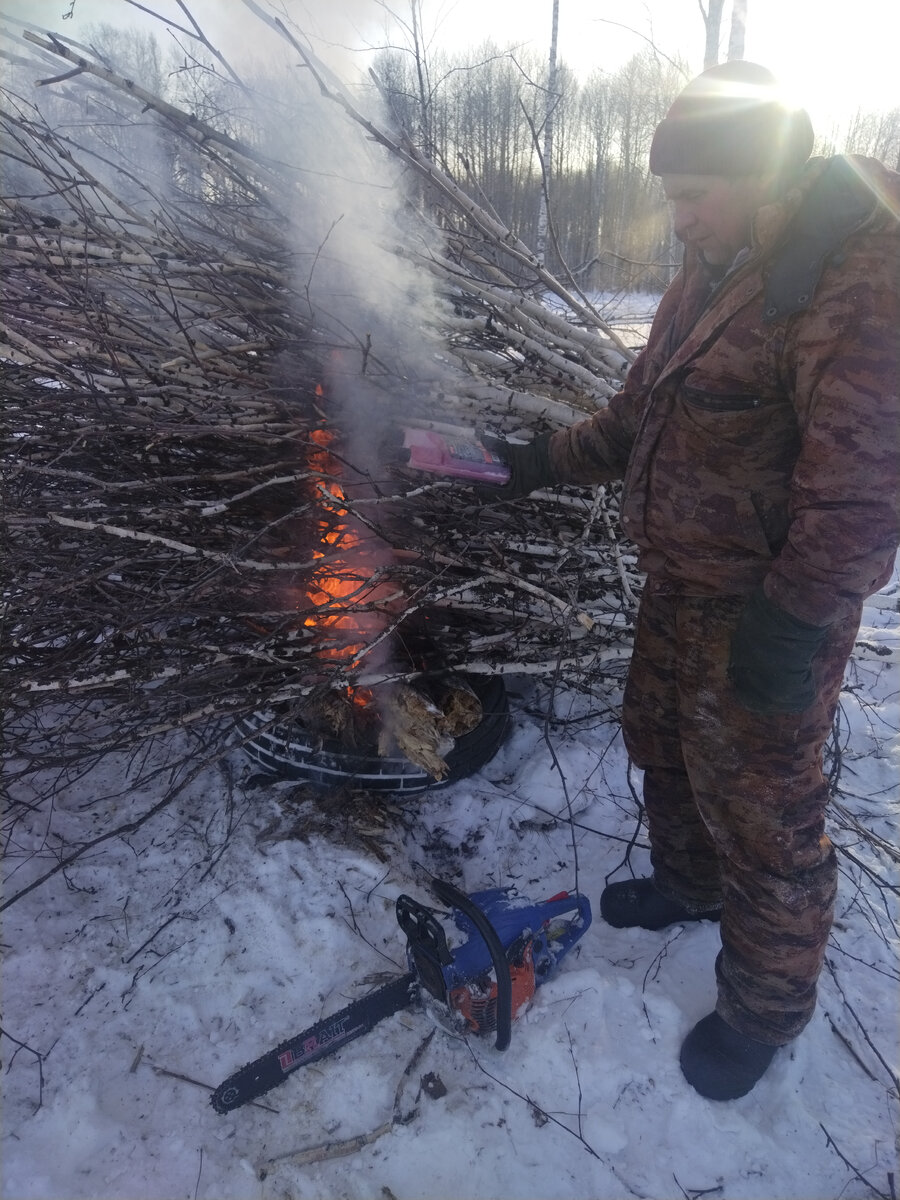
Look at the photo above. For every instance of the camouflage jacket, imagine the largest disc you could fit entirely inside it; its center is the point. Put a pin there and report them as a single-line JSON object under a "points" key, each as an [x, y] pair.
{"points": [[757, 432]]}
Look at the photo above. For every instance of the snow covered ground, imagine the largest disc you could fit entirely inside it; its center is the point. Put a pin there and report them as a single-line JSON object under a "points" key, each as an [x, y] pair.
{"points": [[153, 967], [629, 314]]}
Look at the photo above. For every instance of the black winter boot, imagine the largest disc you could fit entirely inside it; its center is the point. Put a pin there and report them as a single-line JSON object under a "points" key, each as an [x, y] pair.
{"points": [[638, 902], [721, 1063]]}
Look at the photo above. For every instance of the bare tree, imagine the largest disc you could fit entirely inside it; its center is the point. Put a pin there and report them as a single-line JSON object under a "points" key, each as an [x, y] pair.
{"points": [[876, 134], [608, 219], [738, 32], [712, 20], [547, 151]]}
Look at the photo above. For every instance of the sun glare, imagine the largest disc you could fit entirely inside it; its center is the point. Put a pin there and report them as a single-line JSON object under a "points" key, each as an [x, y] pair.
{"points": [[833, 68]]}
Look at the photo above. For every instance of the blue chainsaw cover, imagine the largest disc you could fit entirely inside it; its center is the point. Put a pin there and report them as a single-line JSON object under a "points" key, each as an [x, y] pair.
{"points": [[554, 926]]}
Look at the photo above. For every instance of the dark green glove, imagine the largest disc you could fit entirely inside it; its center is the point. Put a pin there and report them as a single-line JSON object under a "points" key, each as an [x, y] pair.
{"points": [[771, 658], [529, 466]]}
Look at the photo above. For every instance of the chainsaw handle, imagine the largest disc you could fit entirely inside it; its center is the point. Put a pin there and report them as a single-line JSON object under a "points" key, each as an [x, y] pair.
{"points": [[575, 927], [448, 894]]}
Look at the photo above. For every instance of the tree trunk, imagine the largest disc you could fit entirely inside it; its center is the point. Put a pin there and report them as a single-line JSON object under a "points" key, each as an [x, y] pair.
{"points": [[547, 152], [738, 30], [712, 19]]}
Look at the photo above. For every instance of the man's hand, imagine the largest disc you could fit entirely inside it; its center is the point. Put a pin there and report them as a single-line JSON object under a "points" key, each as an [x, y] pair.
{"points": [[771, 658], [529, 466]]}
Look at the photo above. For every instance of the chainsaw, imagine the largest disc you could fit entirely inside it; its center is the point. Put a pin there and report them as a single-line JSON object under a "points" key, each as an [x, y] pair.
{"points": [[502, 948]]}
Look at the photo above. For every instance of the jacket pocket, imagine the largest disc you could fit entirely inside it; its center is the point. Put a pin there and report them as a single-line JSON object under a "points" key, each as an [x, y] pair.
{"points": [[763, 428], [727, 402]]}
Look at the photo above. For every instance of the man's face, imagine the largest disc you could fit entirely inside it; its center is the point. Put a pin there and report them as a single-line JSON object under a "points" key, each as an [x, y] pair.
{"points": [[713, 213]]}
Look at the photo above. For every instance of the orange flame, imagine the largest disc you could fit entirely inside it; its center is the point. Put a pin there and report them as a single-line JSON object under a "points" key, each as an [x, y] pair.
{"points": [[342, 581]]}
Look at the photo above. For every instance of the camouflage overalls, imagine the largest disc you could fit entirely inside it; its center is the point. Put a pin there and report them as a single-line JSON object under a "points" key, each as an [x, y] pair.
{"points": [[756, 446]]}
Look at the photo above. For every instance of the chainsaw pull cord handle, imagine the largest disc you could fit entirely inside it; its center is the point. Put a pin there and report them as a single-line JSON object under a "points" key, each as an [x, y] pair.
{"points": [[448, 894]]}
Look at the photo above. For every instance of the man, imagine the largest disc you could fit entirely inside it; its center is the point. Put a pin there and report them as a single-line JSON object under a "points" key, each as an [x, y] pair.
{"points": [[757, 438]]}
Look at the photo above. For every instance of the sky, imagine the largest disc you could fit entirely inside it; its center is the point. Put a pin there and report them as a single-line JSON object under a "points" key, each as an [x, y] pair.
{"points": [[836, 58]]}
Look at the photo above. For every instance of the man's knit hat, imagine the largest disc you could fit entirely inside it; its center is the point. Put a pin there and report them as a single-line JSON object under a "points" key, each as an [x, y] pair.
{"points": [[731, 120]]}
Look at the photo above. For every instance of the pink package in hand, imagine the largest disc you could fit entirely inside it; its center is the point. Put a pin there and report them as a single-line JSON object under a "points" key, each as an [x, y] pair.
{"points": [[428, 451]]}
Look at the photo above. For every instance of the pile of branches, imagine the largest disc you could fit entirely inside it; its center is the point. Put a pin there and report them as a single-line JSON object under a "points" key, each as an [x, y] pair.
{"points": [[170, 503]]}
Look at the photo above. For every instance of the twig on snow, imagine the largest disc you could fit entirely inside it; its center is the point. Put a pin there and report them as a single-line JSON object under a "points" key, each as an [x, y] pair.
{"points": [[696, 1193], [324, 1151], [532, 1104], [199, 1083], [895, 1081], [40, 1062], [832, 1144]]}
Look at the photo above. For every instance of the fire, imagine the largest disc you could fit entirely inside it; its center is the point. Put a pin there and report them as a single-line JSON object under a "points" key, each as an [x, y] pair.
{"points": [[340, 590]]}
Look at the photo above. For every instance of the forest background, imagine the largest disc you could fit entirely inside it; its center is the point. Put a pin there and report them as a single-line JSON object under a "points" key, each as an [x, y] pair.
{"points": [[524, 132]]}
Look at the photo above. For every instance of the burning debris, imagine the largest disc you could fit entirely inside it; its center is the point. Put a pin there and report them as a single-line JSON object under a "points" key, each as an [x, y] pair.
{"points": [[425, 729], [197, 525]]}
